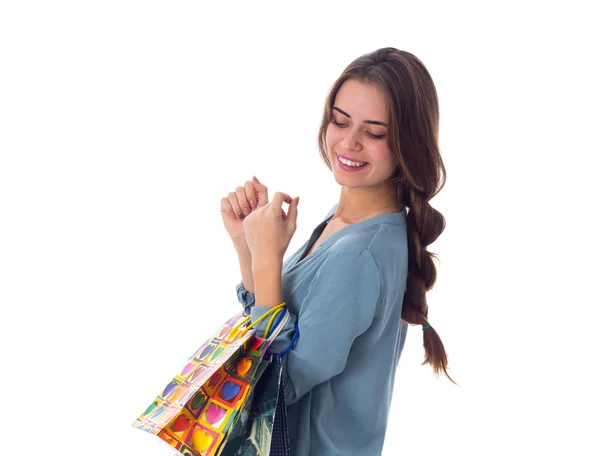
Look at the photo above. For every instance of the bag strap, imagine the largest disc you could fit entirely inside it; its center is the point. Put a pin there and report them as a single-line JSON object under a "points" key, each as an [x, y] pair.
{"points": [[279, 313], [265, 315], [279, 327], [292, 343]]}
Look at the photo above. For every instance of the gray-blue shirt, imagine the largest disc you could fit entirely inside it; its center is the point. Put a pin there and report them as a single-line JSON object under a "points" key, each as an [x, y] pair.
{"points": [[346, 298]]}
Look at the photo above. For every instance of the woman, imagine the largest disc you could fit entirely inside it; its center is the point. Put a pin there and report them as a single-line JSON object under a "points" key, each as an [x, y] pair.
{"points": [[356, 284]]}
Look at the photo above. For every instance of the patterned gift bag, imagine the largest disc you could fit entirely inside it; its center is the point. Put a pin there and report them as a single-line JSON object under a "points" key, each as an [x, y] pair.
{"points": [[197, 408], [261, 429]]}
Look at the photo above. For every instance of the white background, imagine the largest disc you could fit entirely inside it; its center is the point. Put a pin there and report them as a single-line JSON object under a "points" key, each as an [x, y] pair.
{"points": [[122, 124]]}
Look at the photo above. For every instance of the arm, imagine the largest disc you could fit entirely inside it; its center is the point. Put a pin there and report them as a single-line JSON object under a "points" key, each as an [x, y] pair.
{"points": [[339, 307], [245, 289], [245, 259]]}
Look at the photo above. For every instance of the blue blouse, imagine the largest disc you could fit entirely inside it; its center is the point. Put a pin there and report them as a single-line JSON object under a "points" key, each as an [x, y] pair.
{"points": [[346, 298]]}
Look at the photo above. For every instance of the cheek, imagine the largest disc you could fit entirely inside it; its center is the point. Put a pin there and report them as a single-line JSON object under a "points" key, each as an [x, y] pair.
{"points": [[328, 138], [332, 136], [384, 156]]}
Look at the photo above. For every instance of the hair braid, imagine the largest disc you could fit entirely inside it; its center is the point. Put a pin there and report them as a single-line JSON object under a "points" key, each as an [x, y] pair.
{"points": [[424, 224]]}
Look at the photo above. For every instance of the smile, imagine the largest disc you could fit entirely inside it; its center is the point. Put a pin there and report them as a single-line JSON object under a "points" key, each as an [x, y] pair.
{"points": [[349, 167], [349, 162]]}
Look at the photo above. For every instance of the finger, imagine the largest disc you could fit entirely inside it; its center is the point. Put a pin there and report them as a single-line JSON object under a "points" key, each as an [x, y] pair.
{"points": [[292, 214], [226, 207], [262, 193], [233, 200], [278, 200], [250, 194], [243, 201]]}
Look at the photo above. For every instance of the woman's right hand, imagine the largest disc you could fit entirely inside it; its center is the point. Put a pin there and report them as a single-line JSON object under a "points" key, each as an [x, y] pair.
{"points": [[240, 203]]}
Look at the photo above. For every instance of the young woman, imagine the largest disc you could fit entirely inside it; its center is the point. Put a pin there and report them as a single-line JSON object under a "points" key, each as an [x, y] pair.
{"points": [[361, 278]]}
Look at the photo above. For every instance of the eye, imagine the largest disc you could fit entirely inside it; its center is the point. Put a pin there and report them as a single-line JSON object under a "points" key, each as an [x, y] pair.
{"points": [[371, 135], [375, 136]]}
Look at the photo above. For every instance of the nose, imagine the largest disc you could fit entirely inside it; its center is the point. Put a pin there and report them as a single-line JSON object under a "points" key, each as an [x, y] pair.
{"points": [[350, 141]]}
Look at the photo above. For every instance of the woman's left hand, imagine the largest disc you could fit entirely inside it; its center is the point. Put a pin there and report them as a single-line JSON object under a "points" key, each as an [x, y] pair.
{"points": [[269, 230]]}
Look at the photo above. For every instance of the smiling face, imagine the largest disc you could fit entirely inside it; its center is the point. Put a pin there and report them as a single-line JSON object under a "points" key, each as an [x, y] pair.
{"points": [[358, 132]]}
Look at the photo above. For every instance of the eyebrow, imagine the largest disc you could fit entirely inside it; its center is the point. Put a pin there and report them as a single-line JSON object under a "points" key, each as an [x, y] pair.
{"points": [[373, 122]]}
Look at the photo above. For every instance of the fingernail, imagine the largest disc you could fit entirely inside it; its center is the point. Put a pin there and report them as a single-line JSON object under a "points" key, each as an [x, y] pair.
{"points": [[255, 179], [253, 204], [246, 211], [240, 216]]}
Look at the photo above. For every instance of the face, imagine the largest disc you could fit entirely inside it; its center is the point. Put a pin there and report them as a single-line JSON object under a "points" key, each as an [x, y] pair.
{"points": [[358, 132]]}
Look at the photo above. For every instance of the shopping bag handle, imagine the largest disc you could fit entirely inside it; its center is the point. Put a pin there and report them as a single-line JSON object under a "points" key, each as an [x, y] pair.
{"points": [[279, 327], [276, 308], [275, 321]]}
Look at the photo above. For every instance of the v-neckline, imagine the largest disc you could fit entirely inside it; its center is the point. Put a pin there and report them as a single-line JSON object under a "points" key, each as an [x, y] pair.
{"points": [[316, 234], [395, 218]]}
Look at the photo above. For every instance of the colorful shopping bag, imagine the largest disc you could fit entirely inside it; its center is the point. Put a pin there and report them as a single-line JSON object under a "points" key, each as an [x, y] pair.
{"points": [[196, 410], [261, 427], [252, 435]]}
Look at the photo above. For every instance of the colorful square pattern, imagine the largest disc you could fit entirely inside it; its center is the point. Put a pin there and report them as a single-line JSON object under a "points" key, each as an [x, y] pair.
{"points": [[195, 410]]}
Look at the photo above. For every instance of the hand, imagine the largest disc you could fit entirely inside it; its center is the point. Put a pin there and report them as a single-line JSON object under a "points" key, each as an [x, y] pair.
{"points": [[269, 229], [239, 204]]}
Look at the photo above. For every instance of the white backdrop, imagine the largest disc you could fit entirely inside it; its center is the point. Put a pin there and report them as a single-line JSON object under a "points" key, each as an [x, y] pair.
{"points": [[123, 123]]}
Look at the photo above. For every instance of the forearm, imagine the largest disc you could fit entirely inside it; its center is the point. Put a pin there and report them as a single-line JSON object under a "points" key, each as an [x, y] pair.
{"points": [[245, 259], [267, 281]]}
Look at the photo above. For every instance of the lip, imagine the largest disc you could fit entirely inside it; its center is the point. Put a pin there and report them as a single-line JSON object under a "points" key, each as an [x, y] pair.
{"points": [[350, 158], [350, 169]]}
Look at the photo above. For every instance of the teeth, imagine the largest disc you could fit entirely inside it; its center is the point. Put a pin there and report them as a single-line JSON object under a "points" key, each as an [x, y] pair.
{"points": [[350, 163]]}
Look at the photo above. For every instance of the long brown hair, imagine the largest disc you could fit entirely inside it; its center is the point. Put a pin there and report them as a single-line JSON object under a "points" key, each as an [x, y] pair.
{"points": [[413, 119]]}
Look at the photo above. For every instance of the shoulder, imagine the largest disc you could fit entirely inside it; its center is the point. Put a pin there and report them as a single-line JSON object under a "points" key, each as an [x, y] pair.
{"points": [[389, 248], [384, 241], [348, 258], [350, 267], [386, 246], [389, 244]]}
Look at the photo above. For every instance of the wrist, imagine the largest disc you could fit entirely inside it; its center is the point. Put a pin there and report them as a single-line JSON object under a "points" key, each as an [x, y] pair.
{"points": [[240, 244], [267, 282], [260, 264]]}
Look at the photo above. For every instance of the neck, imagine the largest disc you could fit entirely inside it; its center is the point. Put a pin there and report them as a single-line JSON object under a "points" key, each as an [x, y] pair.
{"points": [[358, 204]]}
